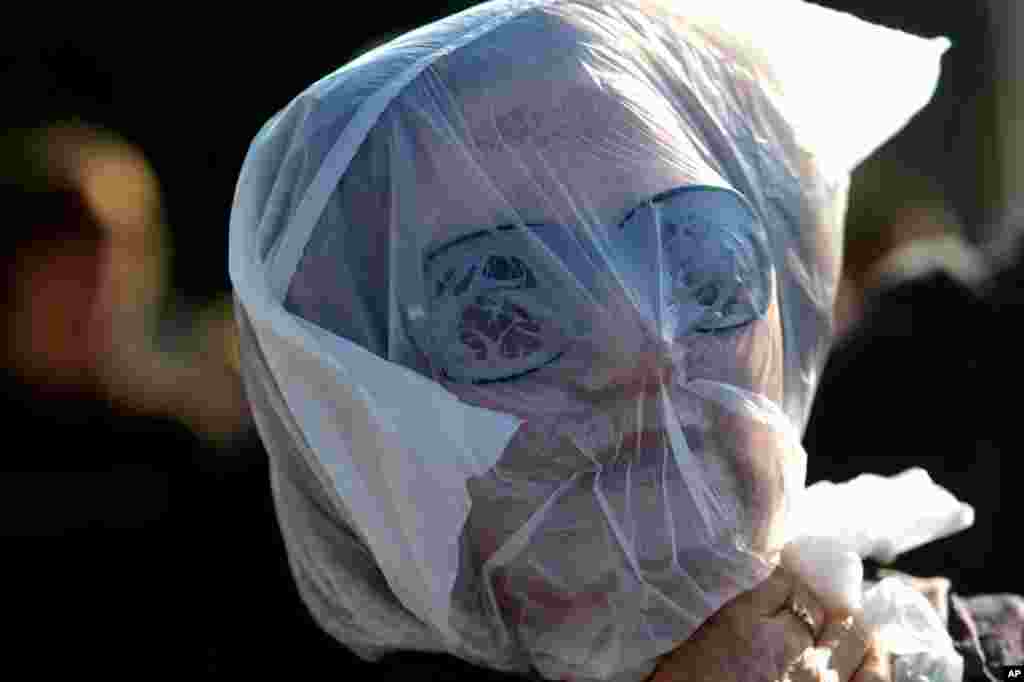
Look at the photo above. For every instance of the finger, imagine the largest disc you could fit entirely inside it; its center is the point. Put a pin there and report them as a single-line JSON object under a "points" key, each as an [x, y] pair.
{"points": [[876, 666], [769, 598], [803, 599], [843, 644], [791, 637]]}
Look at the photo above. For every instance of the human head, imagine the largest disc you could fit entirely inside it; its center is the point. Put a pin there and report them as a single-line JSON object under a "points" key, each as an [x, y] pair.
{"points": [[561, 197], [52, 267], [84, 257]]}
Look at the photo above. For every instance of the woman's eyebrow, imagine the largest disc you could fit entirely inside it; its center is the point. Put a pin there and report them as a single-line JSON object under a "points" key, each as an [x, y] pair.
{"points": [[444, 246], [455, 242]]}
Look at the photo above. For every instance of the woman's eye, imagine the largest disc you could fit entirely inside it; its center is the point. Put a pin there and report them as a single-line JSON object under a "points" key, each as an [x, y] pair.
{"points": [[491, 272], [714, 305], [491, 317], [707, 295], [738, 310], [502, 268], [702, 251], [508, 272]]}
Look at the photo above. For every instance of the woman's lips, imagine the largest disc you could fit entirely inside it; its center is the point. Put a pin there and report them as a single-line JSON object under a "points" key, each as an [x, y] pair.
{"points": [[642, 454], [622, 447], [637, 439], [648, 441]]}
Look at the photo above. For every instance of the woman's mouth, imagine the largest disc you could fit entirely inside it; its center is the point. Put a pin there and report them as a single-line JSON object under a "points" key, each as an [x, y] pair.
{"points": [[641, 439]]}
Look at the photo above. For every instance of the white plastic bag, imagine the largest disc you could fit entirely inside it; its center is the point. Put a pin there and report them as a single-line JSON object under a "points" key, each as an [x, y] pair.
{"points": [[917, 638], [533, 305], [836, 526], [882, 517]]}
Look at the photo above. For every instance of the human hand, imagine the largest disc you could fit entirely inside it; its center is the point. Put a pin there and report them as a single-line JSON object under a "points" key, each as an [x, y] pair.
{"points": [[759, 637]]}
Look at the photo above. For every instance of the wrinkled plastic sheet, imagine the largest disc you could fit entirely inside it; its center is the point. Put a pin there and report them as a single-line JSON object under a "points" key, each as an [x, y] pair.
{"points": [[534, 301]]}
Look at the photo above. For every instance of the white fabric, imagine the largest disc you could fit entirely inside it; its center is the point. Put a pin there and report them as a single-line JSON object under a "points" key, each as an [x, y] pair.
{"points": [[533, 302]]}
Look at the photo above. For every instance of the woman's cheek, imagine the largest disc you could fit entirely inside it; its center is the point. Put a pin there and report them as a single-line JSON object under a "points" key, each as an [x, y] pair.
{"points": [[761, 459], [744, 358], [749, 357], [535, 597]]}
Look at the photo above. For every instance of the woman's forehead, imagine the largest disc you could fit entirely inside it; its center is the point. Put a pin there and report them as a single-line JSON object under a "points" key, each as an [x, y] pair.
{"points": [[546, 139], [555, 147]]}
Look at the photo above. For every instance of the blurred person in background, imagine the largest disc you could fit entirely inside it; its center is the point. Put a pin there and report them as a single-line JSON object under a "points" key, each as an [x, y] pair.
{"points": [[142, 358], [899, 226], [116, 409], [926, 309], [133, 488], [936, 331], [919, 319], [133, 482], [87, 481]]}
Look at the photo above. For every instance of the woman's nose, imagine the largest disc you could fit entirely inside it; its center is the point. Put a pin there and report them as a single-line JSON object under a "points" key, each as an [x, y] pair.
{"points": [[626, 373]]}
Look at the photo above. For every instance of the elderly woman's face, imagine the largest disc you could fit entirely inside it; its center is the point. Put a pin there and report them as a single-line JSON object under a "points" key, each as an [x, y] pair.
{"points": [[617, 407]]}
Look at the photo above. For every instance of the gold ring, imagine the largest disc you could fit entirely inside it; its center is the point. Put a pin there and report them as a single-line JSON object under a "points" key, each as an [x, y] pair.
{"points": [[804, 614]]}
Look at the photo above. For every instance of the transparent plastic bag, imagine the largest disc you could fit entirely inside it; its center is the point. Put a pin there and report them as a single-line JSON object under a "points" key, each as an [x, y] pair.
{"points": [[533, 304], [922, 649], [839, 525]]}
